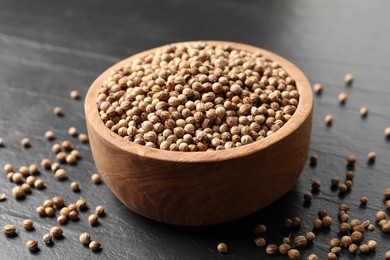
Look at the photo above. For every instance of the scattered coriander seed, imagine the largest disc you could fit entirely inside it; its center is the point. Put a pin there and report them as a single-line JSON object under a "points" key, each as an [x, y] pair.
{"points": [[17, 177], [70, 159], [371, 156], [294, 254], [27, 224], [300, 241], [221, 247], [328, 120], [387, 255], [308, 196], [343, 188], [96, 178], [56, 148], [363, 200], [310, 236], [33, 169], [388, 204], [348, 78], [85, 238], [62, 220], [73, 215], [65, 211], [67, 145], [47, 239], [8, 168], [351, 159], [49, 211], [260, 242], [317, 223], [48, 203], [58, 111], [41, 211], [72, 207], [83, 138], [353, 248], [327, 221], [364, 249], [96, 246], [18, 192], [9, 230], [386, 193], [344, 227], [61, 157], [24, 170], [316, 185], [372, 245], [342, 98], [356, 236], [312, 257], [25, 142], [334, 242], [387, 132], [336, 250], [10, 175], [382, 222], [318, 88], [1, 142], [286, 240], [39, 184], [75, 186], [46, 163], [346, 241], [100, 211], [363, 111], [272, 249], [313, 159], [49, 135], [56, 232], [331, 256], [371, 227], [26, 188], [32, 245], [74, 94], [93, 219], [296, 222], [58, 201], [284, 248], [343, 207], [335, 181], [75, 153], [288, 223], [349, 175], [30, 180], [380, 215], [61, 174], [366, 223], [386, 227], [2, 196], [72, 131], [259, 229], [322, 213]]}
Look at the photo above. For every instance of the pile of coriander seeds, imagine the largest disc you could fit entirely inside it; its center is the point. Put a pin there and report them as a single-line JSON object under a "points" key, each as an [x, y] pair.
{"points": [[198, 97]]}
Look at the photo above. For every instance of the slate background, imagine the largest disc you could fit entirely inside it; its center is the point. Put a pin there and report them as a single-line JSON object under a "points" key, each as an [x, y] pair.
{"points": [[48, 48]]}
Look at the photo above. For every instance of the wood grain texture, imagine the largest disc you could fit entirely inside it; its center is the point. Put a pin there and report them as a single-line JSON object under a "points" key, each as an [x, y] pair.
{"points": [[48, 48], [202, 188]]}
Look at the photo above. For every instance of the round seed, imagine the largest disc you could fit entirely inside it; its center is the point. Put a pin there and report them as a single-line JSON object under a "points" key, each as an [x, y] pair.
{"points": [[294, 254], [260, 229], [272, 249], [335, 181], [334, 242], [364, 249], [328, 120], [46, 163], [56, 148], [81, 204], [342, 98], [312, 257], [387, 132], [72, 131], [327, 221], [93, 219], [47, 238], [49, 211], [85, 238], [49, 135], [356, 236], [2, 196], [348, 78], [284, 248], [62, 220], [74, 94], [58, 201], [95, 245], [222, 248], [380, 215], [41, 211], [96, 178], [8, 168], [24, 170], [32, 245], [351, 159], [75, 186], [363, 200], [308, 196], [372, 245], [25, 142], [9, 230], [387, 255], [353, 248], [317, 223], [39, 184], [58, 111], [300, 241], [33, 169], [310, 236], [318, 88], [260, 242], [27, 224], [61, 174], [17, 177], [56, 232], [18, 192], [67, 145], [83, 138], [346, 241], [65, 212], [73, 215], [363, 111], [331, 256], [371, 156], [70, 159]]}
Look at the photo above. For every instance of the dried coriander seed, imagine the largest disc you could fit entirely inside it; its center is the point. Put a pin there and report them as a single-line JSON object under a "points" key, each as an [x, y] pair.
{"points": [[335, 181], [73, 215], [9, 230], [315, 185], [336, 250], [27, 224], [61, 174], [74, 94], [58, 201], [96, 246], [39, 184], [387, 255], [75, 186], [18, 192], [380, 215], [372, 245], [30, 180], [387, 132], [312, 257], [8, 168], [49, 211], [2, 196], [272, 249], [72, 131], [67, 145], [386, 193], [348, 78], [310, 236], [93, 219], [344, 227], [351, 159], [56, 232], [294, 254], [25, 142], [62, 220], [371, 156], [46, 163], [343, 188], [313, 159], [327, 221], [318, 88], [76, 154], [346, 241], [342, 98], [284, 248], [1, 142], [17, 177], [331, 256], [83, 138], [300, 241], [371, 227], [296, 222], [96, 178], [47, 239], [100, 211], [363, 111], [58, 111], [72, 207], [260, 242], [70, 159], [356, 236], [41, 211], [363, 200], [317, 223], [85, 238], [65, 211], [353, 248], [222, 248], [328, 120], [288, 223], [32, 245], [259, 229], [286, 240], [334, 242], [47, 203], [24, 170], [49, 135], [364, 249], [33, 169], [56, 148], [308, 196]]}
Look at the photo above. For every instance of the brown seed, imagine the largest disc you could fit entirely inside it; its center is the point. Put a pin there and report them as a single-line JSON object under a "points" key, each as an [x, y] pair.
{"points": [[33, 169], [342, 98], [72, 207], [335, 181], [372, 245], [72, 131], [322, 213], [343, 207], [65, 211], [100, 211], [259, 229], [24, 170], [85, 238], [18, 192], [313, 159], [83, 138], [344, 227], [1, 142], [348, 78], [222, 248], [56, 148], [96, 246], [48, 203], [312, 257], [317, 223], [356, 236], [294, 254], [49, 135], [343, 188], [2, 196], [346, 241], [75, 186], [288, 223], [350, 175], [62, 220], [371, 156], [310, 236], [70, 159], [308, 196], [380, 215], [386, 193], [93, 219], [328, 120], [56, 232], [47, 238], [17, 177], [296, 222], [387, 132], [334, 242], [300, 241], [331, 256], [286, 240], [272, 249], [371, 227], [74, 94], [327, 221], [351, 159], [75, 153], [96, 178], [41, 211], [316, 185], [32, 245], [58, 111], [387, 255], [9, 230], [25, 142], [344, 217], [67, 145], [49, 211], [364, 111], [318, 88], [364, 249], [363, 200], [336, 250], [27, 224], [73, 215], [386, 227], [8, 168], [30, 180], [46, 163], [382, 222], [260, 242], [39, 184], [61, 174], [353, 248], [58, 201], [284, 248]]}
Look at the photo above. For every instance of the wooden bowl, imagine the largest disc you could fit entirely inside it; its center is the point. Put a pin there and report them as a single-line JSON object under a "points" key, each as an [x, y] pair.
{"points": [[202, 188]]}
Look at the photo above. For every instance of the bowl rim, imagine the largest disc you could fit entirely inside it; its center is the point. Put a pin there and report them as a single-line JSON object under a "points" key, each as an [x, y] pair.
{"points": [[303, 111]]}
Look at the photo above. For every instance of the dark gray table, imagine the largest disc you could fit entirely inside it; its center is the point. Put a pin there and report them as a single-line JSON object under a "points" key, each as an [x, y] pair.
{"points": [[48, 48]]}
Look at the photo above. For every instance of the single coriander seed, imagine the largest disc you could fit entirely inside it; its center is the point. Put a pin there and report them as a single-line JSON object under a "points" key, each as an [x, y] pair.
{"points": [[334, 242], [312, 257], [372, 245], [380, 215], [56, 148], [41, 211], [294, 254], [364, 249], [65, 211], [272, 249], [56, 232], [49, 211], [296, 222], [387, 132], [58, 201], [328, 120], [75, 186], [46, 163], [313, 159], [8, 168], [346, 241], [83, 138], [356, 236], [58, 111], [259, 229], [316, 185], [331, 256], [342, 98], [49, 135], [363, 111], [351, 159], [32, 245], [310, 236], [100, 211], [70, 159], [47, 239], [300, 241], [222, 248], [327, 221], [353, 248], [85, 238], [61, 174], [308, 196], [363, 200], [387, 255], [73, 215], [72, 131], [9, 230], [93, 219], [27, 224], [284, 248], [371, 156], [33, 169], [335, 181], [348, 78], [67, 145], [74, 94], [318, 88], [18, 192], [39, 184], [25, 142], [2, 196], [96, 178], [95, 245], [260, 242], [62, 220]]}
